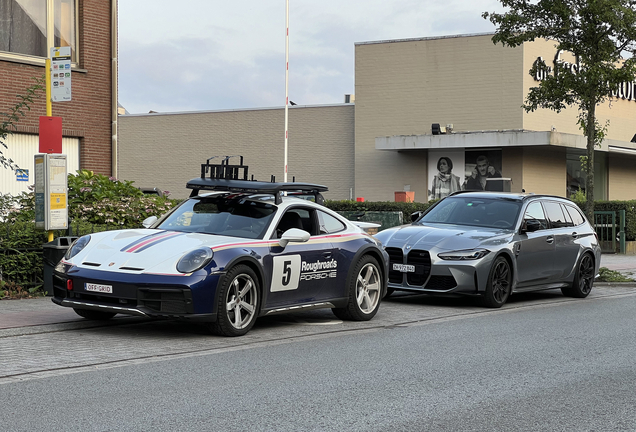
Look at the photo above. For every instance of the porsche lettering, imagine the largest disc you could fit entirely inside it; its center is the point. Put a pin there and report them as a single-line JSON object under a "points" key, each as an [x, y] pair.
{"points": [[318, 275]]}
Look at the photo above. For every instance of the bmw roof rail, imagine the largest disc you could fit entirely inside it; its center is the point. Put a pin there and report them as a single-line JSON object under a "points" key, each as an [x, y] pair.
{"points": [[234, 178]]}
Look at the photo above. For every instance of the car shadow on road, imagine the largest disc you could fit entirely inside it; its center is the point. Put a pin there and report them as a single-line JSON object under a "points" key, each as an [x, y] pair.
{"points": [[460, 301], [171, 328], [289, 322]]}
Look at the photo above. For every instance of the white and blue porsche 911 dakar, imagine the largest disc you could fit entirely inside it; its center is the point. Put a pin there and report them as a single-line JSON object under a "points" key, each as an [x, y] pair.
{"points": [[227, 257]]}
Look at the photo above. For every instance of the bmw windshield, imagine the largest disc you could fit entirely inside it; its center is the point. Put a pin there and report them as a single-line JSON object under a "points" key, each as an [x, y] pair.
{"points": [[221, 215], [472, 211]]}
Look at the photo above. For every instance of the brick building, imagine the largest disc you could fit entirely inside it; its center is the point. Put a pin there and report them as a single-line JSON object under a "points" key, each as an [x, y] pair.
{"points": [[89, 27]]}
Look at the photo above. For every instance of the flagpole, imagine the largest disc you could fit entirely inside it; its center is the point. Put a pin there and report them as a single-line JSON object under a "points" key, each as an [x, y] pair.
{"points": [[286, 85]]}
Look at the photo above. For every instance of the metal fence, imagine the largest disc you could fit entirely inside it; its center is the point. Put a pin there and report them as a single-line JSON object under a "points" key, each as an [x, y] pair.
{"points": [[610, 228]]}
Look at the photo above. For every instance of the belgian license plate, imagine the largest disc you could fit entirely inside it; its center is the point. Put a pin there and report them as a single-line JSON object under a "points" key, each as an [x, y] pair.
{"points": [[98, 288], [404, 268]]}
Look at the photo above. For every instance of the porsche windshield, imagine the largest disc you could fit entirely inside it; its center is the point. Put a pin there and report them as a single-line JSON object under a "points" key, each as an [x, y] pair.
{"points": [[480, 212], [221, 215]]}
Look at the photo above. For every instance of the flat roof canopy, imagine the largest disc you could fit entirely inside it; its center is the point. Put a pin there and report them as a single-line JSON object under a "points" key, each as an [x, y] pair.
{"points": [[496, 139]]}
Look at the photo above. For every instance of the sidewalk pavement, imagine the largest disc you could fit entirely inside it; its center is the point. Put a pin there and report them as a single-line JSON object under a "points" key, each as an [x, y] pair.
{"points": [[30, 315]]}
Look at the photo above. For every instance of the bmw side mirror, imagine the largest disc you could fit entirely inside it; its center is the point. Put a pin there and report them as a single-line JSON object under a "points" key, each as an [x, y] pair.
{"points": [[293, 235], [147, 223], [531, 225], [415, 216]]}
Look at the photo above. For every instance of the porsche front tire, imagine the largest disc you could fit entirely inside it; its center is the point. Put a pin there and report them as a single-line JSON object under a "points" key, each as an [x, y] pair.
{"points": [[238, 302]]}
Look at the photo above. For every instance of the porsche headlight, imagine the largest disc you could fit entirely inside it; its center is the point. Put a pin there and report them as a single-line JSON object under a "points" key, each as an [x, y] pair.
{"points": [[194, 260], [77, 246], [464, 255]]}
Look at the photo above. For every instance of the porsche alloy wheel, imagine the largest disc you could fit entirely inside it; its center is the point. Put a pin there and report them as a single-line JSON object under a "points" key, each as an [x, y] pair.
{"points": [[365, 291], [238, 302], [583, 279], [499, 284]]}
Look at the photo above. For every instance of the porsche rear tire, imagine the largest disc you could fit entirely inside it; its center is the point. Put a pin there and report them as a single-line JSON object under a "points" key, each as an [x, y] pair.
{"points": [[238, 302], [364, 290], [94, 315]]}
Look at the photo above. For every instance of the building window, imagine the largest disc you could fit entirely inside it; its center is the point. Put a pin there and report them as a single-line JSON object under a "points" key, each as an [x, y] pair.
{"points": [[24, 23], [65, 25], [576, 176]]}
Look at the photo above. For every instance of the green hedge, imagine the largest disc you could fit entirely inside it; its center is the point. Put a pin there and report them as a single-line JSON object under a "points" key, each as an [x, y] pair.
{"points": [[405, 207], [408, 208], [21, 253]]}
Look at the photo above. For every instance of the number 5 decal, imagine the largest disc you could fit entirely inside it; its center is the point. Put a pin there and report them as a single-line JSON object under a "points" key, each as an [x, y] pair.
{"points": [[286, 273]]}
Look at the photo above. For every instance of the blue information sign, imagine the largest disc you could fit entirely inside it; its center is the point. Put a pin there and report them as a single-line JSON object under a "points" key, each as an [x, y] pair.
{"points": [[22, 175]]}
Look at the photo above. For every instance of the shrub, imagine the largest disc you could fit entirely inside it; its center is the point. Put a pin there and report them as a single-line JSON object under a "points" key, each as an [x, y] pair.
{"points": [[96, 203], [96, 199]]}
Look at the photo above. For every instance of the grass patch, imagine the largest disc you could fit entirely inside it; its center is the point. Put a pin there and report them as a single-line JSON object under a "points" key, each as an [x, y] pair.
{"points": [[607, 275]]}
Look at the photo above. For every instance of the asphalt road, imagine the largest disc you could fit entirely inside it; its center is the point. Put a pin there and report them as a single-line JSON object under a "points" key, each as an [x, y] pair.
{"points": [[542, 363]]}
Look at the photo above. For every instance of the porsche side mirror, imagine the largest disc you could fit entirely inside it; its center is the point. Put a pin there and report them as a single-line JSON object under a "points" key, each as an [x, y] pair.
{"points": [[147, 223], [415, 216], [293, 235]]}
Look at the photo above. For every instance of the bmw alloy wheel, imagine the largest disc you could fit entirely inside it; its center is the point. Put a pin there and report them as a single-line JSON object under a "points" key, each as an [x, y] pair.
{"points": [[583, 279], [499, 284]]}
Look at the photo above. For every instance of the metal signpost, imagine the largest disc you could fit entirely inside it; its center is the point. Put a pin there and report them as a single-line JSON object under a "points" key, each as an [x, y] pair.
{"points": [[51, 189], [51, 192]]}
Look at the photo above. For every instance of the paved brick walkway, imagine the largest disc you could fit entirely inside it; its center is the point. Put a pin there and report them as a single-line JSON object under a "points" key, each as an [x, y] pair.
{"points": [[624, 263]]}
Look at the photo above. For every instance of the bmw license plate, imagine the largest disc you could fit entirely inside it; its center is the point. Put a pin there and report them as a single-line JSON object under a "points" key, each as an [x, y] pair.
{"points": [[404, 268], [98, 288]]}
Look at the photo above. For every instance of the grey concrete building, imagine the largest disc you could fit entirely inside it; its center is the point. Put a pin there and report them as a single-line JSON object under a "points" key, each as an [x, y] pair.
{"points": [[165, 150], [385, 144]]}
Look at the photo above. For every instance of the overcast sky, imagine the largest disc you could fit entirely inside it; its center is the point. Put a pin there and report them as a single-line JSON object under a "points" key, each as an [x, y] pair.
{"points": [[195, 55]]}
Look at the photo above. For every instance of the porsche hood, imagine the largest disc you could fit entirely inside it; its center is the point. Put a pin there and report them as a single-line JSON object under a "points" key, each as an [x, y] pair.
{"points": [[144, 250]]}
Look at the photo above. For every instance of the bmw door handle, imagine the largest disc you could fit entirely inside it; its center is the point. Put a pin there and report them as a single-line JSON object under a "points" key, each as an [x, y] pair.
{"points": [[550, 239], [326, 255]]}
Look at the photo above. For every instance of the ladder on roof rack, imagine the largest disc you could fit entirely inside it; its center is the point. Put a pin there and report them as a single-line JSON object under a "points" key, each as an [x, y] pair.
{"points": [[224, 170]]}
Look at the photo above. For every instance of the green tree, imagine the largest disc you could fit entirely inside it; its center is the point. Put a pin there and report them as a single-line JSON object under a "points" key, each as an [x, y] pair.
{"points": [[11, 117], [600, 34]]}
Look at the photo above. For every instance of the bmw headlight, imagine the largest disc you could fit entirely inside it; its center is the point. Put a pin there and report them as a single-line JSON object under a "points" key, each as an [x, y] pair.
{"points": [[77, 246], [464, 255], [194, 260]]}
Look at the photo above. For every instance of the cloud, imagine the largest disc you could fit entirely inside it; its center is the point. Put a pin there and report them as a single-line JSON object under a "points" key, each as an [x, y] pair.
{"points": [[211, 55], [189, 80]]}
